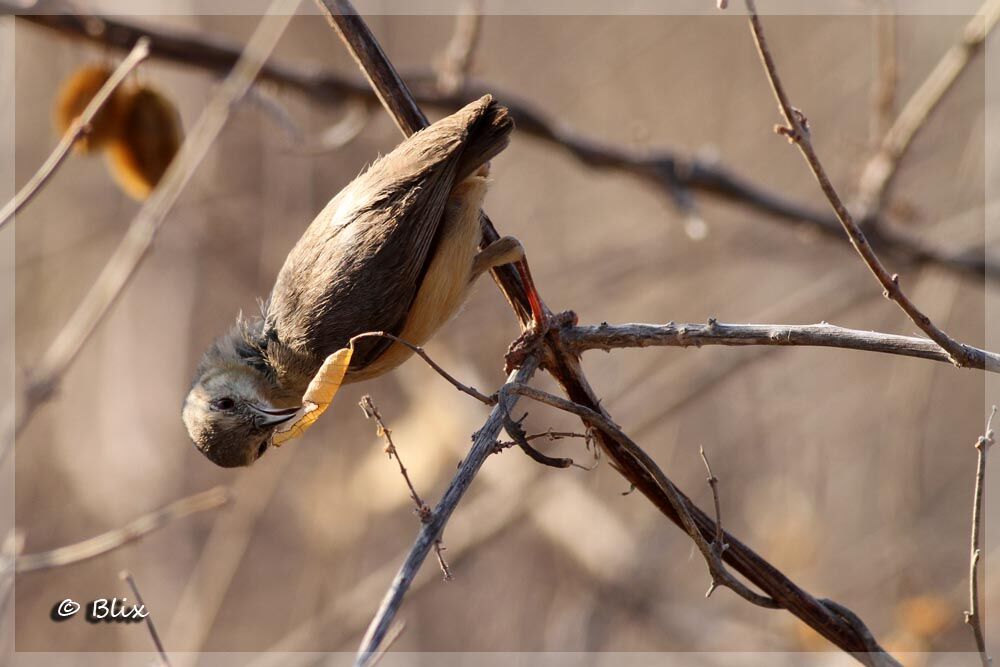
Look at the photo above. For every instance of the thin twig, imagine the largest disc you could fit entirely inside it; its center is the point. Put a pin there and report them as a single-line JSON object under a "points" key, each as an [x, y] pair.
{"points": [[135, 530], [673, 174], [973, 617], [612, 336], [456, 61], [134, 247], [423, 509], [127, 577], [797, 132], [80, 127], [878, 173], [886, 75], [419, 351], [713, 482], [430, 532]]}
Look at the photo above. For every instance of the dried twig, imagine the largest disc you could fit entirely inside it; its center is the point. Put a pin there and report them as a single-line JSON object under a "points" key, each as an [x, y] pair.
{"points": [[879, 172], [973, 617], [430, 532], [720, 575], [456, 61], [674, 174], [423, 509], [80, 127], [611, 336], [419, 351], [713, 482], [135, 530], [127, 577], [44, 378], [797, 132], [886, 75]]}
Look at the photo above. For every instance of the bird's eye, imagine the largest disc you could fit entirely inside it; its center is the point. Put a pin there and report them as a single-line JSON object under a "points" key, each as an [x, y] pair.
{"points": [[224, 403]]}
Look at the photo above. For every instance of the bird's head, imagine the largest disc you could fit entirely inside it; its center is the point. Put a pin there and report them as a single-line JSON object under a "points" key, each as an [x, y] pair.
{"points": [[229, 412]]}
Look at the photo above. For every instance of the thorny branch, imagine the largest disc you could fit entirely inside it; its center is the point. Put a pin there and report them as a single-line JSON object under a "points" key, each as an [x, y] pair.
{"points": [[680, 503], [79, 128], [843, 629], [612, 336], [674, 174], [423, 509], [973, 617], [456, 61], [797, 132]]}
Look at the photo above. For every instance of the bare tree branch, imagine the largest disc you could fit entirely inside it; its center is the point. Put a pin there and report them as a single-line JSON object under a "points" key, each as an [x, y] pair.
{"points": [[797, 132], [973, 617], [878, 173], [681, 504], [430, 532], [79, 128], [673, 174], [113, 279], [423, 509], [456, 61], [612, 336], [135, 530], [564, 367], [886, 77]]}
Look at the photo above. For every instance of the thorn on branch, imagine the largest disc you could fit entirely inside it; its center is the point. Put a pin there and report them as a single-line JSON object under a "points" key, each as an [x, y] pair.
{"points": [[423, 510]]}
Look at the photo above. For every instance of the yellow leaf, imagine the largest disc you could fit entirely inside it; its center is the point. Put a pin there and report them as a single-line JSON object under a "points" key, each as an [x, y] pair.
{"points": [[318, 396]]}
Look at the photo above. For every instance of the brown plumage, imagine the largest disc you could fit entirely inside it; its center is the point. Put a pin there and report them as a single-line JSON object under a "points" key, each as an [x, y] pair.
{"points": [[395, 250]]}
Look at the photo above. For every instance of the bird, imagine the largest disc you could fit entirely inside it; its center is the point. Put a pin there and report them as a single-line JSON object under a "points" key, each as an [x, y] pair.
{"points": [[395, 251]]}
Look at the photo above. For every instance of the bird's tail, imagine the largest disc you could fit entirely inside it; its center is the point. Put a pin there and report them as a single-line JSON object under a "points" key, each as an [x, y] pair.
{"points": [[488, 128]]}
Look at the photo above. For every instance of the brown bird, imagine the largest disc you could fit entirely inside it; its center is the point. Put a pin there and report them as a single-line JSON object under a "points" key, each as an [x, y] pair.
{"points": [[396, 251]]}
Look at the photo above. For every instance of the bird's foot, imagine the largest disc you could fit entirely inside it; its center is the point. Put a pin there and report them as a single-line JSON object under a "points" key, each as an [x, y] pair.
{"points": [[532, 337]]}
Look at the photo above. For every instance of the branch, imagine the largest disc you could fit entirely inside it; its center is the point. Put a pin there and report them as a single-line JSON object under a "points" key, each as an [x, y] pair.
{"points": [[113, 539], [973, 617], [797, 132], [564, 366], [127, 577], [80, 127], [423, 509], [680, 503], [607, 337], [44, 378], [419, 351], [430, 532], [878, 173], [673, 174], [456, 61]]}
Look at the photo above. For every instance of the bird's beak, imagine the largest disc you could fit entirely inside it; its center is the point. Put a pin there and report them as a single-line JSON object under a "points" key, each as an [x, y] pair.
{"points": [[272, 417]]}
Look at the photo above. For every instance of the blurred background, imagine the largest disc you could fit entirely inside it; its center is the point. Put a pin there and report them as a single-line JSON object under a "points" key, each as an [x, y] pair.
{"points": [[852, 472]]}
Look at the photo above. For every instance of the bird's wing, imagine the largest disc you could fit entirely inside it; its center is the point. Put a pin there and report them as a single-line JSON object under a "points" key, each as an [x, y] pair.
{"points": [[359, 265]]}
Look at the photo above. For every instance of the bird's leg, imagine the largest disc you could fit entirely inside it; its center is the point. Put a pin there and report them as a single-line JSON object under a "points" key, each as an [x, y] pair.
{"points": [[508, 250]]}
